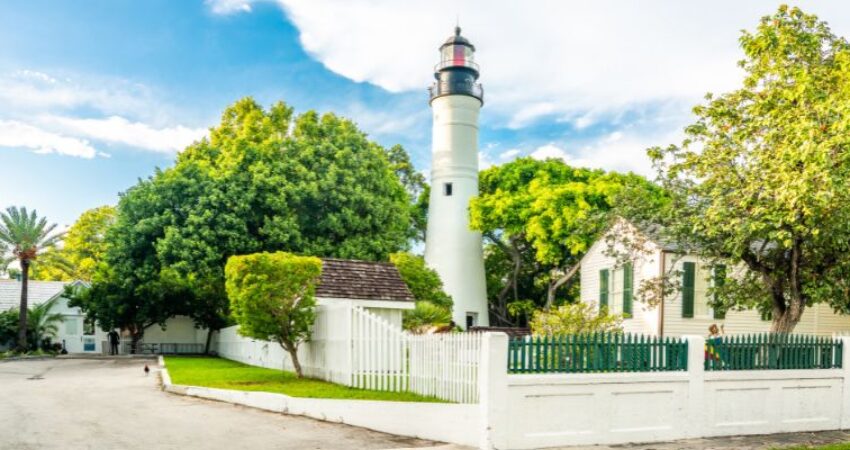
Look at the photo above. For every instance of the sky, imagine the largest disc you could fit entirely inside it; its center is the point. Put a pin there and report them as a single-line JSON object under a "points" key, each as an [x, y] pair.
{"points": [[96, 94]]}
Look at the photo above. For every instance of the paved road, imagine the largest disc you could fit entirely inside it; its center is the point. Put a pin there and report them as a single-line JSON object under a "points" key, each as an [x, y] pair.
{"points": [[110, 404]]}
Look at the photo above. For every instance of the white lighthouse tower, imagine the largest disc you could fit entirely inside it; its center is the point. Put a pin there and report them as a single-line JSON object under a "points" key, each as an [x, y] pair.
{"points": [[451, 248]]}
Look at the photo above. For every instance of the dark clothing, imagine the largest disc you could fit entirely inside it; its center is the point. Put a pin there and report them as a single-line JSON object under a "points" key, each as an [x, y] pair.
{"points": [[113, 342]]}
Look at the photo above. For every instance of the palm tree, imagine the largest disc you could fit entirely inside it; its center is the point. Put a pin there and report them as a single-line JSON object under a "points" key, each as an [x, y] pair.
{"points": [[25, 237], [43, 323]]}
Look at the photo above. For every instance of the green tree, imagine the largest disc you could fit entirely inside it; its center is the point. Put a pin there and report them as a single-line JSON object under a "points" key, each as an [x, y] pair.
{"points": [[83, 248], [761, 179], [272, 297], [575, 318], [25, 236], [540, 217], [433, 305], [264, 180]]}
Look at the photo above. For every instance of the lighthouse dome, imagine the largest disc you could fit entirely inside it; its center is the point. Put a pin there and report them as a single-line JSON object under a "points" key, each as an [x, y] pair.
{"points": [[457, 39]]}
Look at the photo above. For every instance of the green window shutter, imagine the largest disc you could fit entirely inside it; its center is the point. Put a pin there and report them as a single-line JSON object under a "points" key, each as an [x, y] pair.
{"points": [[719, 281], [603, 288], [628, 279], [688, 278]]}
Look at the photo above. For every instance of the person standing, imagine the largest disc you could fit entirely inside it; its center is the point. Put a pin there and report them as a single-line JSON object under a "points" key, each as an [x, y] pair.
{"points": [[114, 339]]}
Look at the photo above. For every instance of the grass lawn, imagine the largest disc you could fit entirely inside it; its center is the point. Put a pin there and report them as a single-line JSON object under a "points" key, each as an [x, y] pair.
{"points": [[225, 374]]}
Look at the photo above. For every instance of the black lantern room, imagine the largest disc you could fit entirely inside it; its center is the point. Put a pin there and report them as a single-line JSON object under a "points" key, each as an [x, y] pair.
{"points": [[456, 73]]}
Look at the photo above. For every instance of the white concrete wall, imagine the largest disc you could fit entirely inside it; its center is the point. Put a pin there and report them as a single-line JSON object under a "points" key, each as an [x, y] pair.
{"points": [[451, 248], [538, 411], [178, 330], [433, 421]]}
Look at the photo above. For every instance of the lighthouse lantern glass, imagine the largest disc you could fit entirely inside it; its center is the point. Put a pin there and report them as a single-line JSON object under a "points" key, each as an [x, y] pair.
{"points": [[457, 55]]}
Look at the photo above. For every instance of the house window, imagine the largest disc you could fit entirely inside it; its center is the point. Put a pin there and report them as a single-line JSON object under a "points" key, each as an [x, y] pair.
{"points": [[471, 320], [603, 288], [628, 287], [71, 326], [719, 281], [447, 189], [88, 326], [688, 289]]}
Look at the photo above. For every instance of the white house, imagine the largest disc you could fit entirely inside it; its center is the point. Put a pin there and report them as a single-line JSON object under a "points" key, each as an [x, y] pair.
{"points": [[76, 333], [686, 311]]}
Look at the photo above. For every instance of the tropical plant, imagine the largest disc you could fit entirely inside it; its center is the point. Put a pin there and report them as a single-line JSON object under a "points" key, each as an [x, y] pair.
{"points": [[760, 182], [272, 297], [8, 327], [426, 316], [43, 324], [26, 236], [575, 318]]}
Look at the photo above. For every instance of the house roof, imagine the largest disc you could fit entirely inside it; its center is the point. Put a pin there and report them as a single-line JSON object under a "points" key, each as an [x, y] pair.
{"points": [[38, 292], [361, 280]]}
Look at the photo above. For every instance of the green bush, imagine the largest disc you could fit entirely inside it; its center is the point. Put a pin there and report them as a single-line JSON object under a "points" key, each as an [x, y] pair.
{"points": [[272, 297]]}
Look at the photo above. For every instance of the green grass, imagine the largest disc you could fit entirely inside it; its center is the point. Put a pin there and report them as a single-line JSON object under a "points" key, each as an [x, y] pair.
{"points": [[839, 446], [225, 374]]}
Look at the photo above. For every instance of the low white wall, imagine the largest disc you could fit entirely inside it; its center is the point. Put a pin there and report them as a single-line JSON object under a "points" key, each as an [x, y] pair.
{"points": [[434, 421], [550, 410]]}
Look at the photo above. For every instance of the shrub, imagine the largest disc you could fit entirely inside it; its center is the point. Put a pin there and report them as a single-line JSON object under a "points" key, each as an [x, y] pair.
{"points": [[575, 318], [272, 297]]}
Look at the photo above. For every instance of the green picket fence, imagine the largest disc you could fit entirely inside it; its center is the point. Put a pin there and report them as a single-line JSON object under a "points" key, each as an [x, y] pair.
{"points": [[589, 353], [772, 351]]}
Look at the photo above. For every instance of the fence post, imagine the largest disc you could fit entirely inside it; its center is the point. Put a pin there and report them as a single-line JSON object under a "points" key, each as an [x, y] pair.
{"points": [[696, 385], [845, 385], [493, 390]]}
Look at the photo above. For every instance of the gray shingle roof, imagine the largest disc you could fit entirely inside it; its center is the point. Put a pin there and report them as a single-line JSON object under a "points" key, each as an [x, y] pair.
{"points": [[38, 292], [361, 280]]}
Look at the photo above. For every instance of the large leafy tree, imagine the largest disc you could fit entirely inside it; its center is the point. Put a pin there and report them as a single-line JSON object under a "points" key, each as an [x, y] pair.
{"points": [[272, 296], [264, 180], [539, 218], [762, 177], [83, 248], [25, 236], [433, 306]]}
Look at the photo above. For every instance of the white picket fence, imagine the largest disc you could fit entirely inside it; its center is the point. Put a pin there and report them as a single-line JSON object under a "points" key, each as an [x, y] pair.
{"points": [[356, 348], [445, 365]]}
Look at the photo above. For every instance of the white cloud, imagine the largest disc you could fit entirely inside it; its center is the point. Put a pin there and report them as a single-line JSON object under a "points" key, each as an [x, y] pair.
{"points": [[53, 114], [14, 134], [29, 91], [620, 151], [225, 7], [546, 57], [119, 130], [509, 154]]}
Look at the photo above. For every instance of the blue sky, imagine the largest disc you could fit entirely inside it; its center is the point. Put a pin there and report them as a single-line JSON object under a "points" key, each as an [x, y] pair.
{"points": [[96, 94]]}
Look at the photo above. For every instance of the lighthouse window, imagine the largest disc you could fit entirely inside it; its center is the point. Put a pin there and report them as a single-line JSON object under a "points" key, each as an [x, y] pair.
{"points": [[447, 189]]}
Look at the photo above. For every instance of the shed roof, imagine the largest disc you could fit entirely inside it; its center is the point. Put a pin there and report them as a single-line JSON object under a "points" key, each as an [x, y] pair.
{"points": [[361, 280], [38, 292]]}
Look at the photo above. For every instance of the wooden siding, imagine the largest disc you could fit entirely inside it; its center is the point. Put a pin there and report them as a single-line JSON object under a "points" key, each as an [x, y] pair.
{"points": [[819, 319]]}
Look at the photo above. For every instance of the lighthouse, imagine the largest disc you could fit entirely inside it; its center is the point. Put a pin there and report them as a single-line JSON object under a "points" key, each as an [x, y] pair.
{"points": [[451, 248]]}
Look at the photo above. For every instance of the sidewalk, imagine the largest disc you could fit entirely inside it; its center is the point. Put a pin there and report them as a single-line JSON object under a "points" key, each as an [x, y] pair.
{"points": [[759, 442]]}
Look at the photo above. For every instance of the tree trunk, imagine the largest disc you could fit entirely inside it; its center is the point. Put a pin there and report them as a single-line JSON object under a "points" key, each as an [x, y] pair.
{"points": [[209, 341], [786, 319], [22, 314], [556, 283], [293, 355], [135, 337]]}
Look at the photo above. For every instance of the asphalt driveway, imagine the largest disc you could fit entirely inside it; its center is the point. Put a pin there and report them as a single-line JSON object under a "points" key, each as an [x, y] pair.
{"points": [[111, 404]]}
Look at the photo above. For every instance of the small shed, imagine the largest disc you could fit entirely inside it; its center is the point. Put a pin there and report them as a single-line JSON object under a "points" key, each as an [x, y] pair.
{"points": [[377, 287]]}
